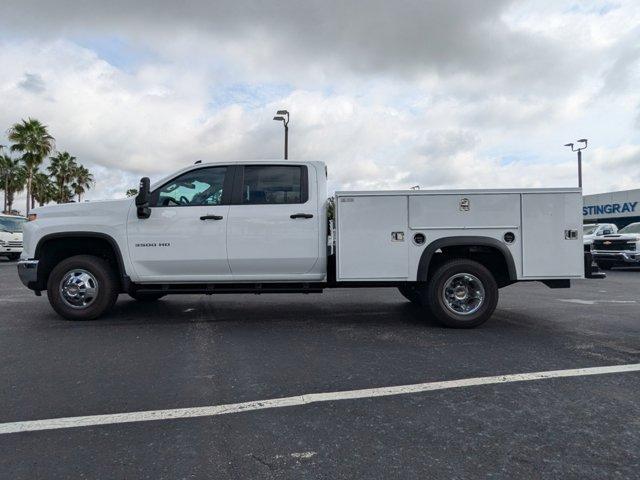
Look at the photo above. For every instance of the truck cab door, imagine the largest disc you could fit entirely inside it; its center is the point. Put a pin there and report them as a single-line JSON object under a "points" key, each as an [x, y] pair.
{"points": [[273, 229], [184, 239]]}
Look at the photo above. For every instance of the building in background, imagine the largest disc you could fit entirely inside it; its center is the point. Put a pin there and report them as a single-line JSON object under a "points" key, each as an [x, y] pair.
{"points": [[621, 208]]}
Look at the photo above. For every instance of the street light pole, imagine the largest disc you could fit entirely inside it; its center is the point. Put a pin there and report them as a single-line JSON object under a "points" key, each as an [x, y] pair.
{"points": [[283, 116], [579, 150], [580, 168], [286, 140]]}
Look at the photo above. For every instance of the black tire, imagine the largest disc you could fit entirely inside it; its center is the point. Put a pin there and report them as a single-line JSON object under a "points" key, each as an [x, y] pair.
{"points": [[411, 293], [605, 265], [103, 275], [146, 296], [13, 256], [434, 295]]}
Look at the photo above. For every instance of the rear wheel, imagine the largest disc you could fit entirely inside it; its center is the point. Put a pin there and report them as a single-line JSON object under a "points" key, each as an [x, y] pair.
{"points": [[82, 287], [462, 294], [146, 296]]}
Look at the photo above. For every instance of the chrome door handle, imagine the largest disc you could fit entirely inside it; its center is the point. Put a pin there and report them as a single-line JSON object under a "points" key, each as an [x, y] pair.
{"points": [[302, 215], [211, 217]]}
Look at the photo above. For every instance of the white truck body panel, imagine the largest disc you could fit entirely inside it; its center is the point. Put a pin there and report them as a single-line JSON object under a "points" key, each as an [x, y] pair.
{"points": [[184, 247], [364, 226], [545, 251], [366, 221], [487, 210], [265, 240], [104, 217]]}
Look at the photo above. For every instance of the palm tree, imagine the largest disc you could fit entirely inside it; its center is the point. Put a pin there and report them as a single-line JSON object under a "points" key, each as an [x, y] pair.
{"points": [[82, 179], [13, 179], [31, 138], [5, 169], [62, 168], [42, 189]]}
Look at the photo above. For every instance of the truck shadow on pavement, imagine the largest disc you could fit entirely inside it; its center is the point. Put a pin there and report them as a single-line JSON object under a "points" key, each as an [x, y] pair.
{"points": [[263, 310]]}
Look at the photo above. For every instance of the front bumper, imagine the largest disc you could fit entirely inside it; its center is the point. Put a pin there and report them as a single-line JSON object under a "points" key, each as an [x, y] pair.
{"points": [[10, 249], [630, 258], [28, 272]]}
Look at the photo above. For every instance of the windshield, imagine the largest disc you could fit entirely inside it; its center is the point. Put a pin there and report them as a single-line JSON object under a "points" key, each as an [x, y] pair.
{"points": [[10, 224], [589, 229], [633, 228]]}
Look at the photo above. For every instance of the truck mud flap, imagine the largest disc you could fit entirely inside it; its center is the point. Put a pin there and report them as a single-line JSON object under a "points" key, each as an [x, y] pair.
{"points": [[591, 269]]}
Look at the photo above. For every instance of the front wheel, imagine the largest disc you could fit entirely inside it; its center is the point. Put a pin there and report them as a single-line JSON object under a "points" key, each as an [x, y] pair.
{"points": [[462, 294], [82, 287], [13, 256]]}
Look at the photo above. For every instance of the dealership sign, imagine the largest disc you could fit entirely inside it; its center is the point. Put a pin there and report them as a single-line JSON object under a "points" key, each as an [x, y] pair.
{"points": [[609, 209]]}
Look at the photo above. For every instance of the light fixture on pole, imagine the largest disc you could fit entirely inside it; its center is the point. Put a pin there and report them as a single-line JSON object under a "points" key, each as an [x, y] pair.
{"points": [[579, 150], [283, 116]]}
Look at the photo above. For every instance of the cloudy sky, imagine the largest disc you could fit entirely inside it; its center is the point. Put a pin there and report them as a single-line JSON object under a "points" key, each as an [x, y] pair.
{"points": [[389, 94]]}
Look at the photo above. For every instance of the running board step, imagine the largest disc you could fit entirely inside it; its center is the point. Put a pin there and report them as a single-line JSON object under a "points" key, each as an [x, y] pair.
{"points": [[220, 288]]}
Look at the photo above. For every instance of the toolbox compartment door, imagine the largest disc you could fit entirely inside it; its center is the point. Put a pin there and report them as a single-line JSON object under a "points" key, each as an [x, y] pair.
{"points": [[466, 211], [366, 247], [546, 253]]}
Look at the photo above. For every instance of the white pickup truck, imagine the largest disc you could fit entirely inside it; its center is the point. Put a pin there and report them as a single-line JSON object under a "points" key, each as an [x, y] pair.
{"points": [[11, 235], [263, 227]]}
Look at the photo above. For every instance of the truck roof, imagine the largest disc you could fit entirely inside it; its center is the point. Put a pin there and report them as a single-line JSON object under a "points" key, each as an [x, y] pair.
{"points": [[257, 160]]}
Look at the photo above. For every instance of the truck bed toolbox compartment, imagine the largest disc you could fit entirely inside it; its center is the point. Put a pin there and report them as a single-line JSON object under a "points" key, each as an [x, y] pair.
{"points": [[375, 234], [366, 248]]}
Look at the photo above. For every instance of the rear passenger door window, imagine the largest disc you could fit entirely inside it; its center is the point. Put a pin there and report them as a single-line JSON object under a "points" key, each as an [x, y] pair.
{"points": [[274, 184]]}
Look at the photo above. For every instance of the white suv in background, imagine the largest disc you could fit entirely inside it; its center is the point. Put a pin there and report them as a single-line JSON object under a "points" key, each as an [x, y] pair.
{"points": [[11, 236], [592, 230]]}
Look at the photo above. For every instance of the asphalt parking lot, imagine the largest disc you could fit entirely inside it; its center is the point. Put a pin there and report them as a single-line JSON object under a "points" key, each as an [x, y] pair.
{"points": [[195, 351]]}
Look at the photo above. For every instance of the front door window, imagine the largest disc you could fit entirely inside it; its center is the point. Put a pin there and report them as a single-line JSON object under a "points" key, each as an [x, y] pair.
{"points": [[195, 188]]}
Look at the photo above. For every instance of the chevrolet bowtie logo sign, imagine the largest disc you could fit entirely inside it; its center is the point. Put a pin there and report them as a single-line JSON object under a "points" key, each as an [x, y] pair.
{"points": [[607, 242]]}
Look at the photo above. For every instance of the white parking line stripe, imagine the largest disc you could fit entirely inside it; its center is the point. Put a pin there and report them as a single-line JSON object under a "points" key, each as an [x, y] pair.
{"points": [[175, 413]]}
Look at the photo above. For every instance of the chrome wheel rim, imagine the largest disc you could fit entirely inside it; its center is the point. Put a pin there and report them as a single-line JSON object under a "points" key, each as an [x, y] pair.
{"points": [[463, 294], [78, 288]]}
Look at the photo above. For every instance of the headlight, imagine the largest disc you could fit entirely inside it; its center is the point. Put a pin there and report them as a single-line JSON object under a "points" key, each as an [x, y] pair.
{"points": [[2, 243]]}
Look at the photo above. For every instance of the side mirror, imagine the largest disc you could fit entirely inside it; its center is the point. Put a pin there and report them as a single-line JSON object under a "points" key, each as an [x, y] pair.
{"points": [[142, 199]]}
